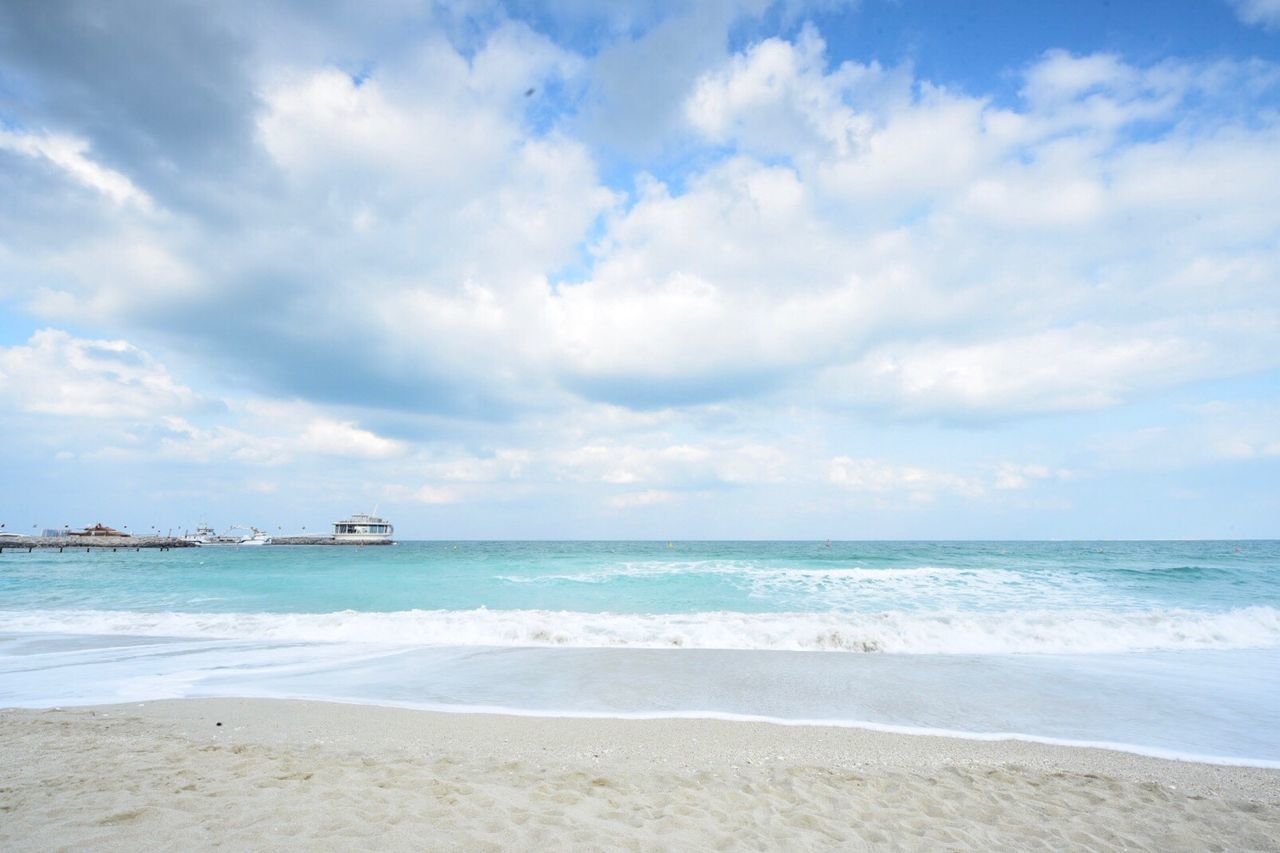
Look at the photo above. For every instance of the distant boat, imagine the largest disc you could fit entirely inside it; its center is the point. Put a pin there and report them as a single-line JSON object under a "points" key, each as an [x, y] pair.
{"points": [[362, 527], [255, 537], [206, 535]]}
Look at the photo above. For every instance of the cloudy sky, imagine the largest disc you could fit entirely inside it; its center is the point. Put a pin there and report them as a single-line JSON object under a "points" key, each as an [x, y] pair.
{"points": [[732, 269]]}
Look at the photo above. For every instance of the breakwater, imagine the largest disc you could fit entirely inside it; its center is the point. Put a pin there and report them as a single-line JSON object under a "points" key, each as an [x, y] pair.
{"points": [[136, 543], [164, 543], [113, 543], [322, 540]]}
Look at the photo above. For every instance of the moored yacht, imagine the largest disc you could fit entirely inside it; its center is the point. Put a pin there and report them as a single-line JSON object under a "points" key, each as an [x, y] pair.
{"points": [[205, 535], [362, 528], [255, 537]]}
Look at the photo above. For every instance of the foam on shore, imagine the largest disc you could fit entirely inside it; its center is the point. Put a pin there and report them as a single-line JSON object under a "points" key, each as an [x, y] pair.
{"points": [[1074, 631]]}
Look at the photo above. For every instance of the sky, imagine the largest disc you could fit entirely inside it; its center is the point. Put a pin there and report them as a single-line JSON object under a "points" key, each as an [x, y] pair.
{"points": [[720, 270]]}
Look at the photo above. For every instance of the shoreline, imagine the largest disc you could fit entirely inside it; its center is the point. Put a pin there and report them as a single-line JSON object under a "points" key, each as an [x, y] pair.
{"points": [[275, 769], [1005, 698], [872, 728]]}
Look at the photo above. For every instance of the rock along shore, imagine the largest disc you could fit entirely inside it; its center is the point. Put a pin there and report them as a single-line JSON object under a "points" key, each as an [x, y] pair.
{"points": [[117, 543], [135, 543], [321, 540]]}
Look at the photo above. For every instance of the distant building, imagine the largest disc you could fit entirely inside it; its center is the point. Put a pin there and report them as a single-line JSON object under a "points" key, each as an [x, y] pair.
{"points": [[99, 529], [363, 528], [50, 531]]}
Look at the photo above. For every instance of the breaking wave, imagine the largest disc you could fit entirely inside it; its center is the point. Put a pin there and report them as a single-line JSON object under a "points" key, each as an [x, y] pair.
{"points": [[753, 571], [1009, 632]]}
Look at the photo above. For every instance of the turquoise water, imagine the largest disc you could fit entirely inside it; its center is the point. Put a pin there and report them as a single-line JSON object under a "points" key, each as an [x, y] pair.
{"points": [[1164, 647]]}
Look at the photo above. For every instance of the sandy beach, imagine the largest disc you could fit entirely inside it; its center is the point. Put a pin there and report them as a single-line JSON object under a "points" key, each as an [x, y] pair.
{"points": [[271, 774]]}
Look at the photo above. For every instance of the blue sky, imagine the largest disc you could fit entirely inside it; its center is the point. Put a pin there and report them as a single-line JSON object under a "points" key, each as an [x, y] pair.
{"points": [[718, 270]]}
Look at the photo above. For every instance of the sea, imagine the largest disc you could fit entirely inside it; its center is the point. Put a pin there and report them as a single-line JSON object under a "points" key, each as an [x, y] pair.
{"points": [[1163, 648]]}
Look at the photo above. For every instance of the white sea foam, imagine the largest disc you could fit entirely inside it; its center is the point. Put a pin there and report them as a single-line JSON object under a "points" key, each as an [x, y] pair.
{"points": [[751, 571], [1013, 632], [640, 569], [917, 581], [853, 587]]}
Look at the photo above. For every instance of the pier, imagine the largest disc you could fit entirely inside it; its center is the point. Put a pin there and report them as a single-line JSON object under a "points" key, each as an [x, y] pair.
{"points": [[164, 543], [322, 540], [74, 543]]}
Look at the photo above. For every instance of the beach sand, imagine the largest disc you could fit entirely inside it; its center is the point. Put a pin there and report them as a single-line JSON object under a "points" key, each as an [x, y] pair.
{"points": [[287, 774]]}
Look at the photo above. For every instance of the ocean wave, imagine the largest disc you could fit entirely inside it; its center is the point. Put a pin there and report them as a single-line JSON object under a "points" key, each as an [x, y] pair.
{"points": [[640, 569], [756, 573], [1010, 632], [1180, 572]]}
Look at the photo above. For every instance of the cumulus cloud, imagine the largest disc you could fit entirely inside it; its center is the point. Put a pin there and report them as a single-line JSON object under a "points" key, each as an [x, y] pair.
{"points": [[880, 478], [776, 98], [475, 256], [425, 243], [426, 494], [637, 82], [672, 464], [55, 373], [1007, 222], [1263, 13], [649, 497], [71, 156], [1071, 369], [920, 484], [66, 379], [275, 433], [1011, 476], [345, 438]]}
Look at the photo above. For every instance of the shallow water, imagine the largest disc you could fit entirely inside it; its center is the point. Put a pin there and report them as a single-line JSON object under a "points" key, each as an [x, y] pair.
{"points": [[1169, 647]]}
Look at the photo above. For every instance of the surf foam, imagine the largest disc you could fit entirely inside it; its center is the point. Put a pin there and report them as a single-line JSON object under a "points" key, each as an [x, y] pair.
{"points": [[1009, 632]]}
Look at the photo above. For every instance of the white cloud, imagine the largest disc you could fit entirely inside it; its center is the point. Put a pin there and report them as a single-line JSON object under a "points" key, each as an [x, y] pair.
{"points": [[425, 494], [429, 168], [70, 154], [344, 438], [1061, 78], [420, 276], [887, 481], [869, 238], [733, 279], [881, 478], [1263, 13], [776, 98], [70, 382], [1058, 370], [55, 373], [1011, 476], [283, 431], [265, 435], [635, 84], [1028, 217], [503, 464], [178, 439], [633, 500], [722, 462]]}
